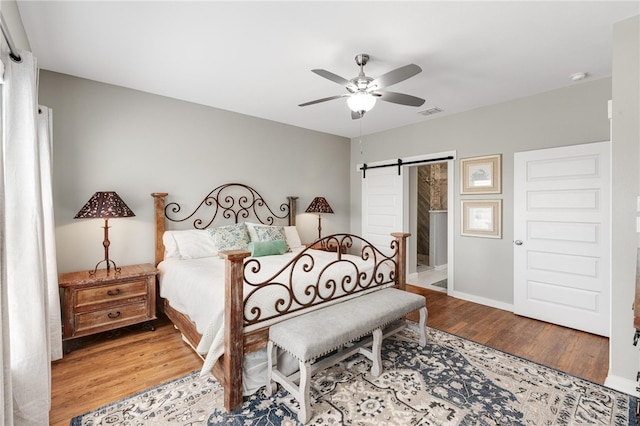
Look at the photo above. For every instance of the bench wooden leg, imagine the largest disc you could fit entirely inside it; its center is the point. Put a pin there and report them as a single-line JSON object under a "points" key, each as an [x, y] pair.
{"points": [[423, 326], [376, 348], [303, 392], [271, 358]]}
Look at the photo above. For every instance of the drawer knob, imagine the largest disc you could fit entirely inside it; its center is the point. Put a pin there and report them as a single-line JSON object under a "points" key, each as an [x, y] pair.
{"points": [[112, 315], [113, 292]]}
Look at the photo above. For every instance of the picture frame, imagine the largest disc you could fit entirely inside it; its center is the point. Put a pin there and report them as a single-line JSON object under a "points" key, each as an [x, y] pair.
{"points": [[481, 175], [481, 218]]}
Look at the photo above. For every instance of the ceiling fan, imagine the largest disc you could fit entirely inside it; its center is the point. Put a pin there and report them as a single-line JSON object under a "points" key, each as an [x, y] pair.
{"points": [[364, 90]]}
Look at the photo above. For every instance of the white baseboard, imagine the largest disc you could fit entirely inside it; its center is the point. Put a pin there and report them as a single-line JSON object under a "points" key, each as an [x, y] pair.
{"points": [[621, 384], [482, 300]]}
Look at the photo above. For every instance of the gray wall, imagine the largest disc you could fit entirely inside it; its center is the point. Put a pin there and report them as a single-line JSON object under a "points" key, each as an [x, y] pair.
{"points": [[574, 115], [113, 138], [623, 356]]}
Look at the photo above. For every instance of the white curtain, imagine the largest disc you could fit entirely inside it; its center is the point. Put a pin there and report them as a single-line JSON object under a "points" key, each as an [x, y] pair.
{"points": [[31, 328]]}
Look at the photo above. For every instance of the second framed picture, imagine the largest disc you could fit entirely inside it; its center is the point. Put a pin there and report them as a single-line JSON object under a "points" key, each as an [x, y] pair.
{"points": [[481, 175], [481, 218]]}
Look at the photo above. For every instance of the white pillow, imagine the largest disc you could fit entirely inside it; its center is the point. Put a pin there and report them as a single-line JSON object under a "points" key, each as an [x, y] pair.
{"points": [[293, 239], [188, 244], [290, 232], [170, 245], [252, 231]]}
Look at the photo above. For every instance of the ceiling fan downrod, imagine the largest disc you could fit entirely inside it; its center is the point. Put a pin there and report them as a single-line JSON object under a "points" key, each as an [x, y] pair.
{"points": [[362, 60]]}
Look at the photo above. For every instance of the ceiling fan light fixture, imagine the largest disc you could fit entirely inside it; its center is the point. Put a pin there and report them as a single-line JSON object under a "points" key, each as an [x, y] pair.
{"points": [[361, 102], [363, 91]]}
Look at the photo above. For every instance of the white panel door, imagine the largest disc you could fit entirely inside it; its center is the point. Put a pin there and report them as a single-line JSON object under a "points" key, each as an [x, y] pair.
{"points": [[562, 236], [383, 194]]}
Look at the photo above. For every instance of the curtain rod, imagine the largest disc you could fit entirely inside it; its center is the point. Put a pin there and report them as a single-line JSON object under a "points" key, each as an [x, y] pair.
{"points": [[400, 163], [13, 52]]}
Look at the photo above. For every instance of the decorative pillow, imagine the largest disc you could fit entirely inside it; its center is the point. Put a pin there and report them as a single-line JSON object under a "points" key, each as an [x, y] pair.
{"points": [[271, 233], [291, 234], [188, 244], [231, 237], [267, 248]]}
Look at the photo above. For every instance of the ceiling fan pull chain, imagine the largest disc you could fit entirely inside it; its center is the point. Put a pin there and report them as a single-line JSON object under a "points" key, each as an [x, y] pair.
{"points": [[360, 137]]}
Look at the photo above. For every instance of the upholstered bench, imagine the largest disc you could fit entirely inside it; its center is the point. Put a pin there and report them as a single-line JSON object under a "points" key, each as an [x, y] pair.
{"points": [[334, 328]]}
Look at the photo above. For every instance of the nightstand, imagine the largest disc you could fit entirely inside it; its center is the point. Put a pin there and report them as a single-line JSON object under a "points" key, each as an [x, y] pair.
{"points": [[103, 302], [332, 247]]}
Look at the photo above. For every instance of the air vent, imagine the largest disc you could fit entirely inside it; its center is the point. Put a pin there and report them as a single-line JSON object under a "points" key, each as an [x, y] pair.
{"points": [[430, 111]]}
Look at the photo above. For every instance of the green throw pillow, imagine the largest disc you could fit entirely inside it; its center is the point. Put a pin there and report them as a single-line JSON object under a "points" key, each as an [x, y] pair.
{"points": [[267, 248]]}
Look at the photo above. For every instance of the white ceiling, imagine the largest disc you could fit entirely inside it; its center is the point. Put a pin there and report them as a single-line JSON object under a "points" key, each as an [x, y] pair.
{"points": [[256, 58]]}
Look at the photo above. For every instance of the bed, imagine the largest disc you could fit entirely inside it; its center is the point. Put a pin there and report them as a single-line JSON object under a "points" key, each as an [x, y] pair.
{"points": [[223, 296]]}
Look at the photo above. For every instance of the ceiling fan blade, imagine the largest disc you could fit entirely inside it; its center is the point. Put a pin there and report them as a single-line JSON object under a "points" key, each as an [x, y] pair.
{"points": [[395, 76], [400, 98], [317, 101], [356, 115], [334, 77]]}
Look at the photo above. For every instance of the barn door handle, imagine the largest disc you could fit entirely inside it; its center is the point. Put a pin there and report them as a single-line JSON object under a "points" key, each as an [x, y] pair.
{"points": [[518, 242]]}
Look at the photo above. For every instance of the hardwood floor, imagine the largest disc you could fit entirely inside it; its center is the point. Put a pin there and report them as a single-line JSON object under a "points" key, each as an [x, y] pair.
{"points": [[575, 352], [106, 369]]}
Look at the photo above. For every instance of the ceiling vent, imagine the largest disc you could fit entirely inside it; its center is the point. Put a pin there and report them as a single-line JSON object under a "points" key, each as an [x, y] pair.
{"points": [[430, 111]]}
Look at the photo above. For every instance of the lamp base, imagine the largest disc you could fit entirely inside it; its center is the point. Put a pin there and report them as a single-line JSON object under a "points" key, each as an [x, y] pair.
{"points": [[109, 263], [106, 259]]}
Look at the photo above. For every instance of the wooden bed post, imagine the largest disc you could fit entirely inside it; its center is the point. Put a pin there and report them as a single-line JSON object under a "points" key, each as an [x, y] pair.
{"points": [[233, 327], [160, 223], [401, 259], [292, 210]]}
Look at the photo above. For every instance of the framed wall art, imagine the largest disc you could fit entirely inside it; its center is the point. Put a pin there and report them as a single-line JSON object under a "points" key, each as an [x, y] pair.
{"points": [[481, 218], [481, 175]]}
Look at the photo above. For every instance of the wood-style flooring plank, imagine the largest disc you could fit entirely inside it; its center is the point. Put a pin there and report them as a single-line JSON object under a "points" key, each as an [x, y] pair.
{"points": [[105, 369]]}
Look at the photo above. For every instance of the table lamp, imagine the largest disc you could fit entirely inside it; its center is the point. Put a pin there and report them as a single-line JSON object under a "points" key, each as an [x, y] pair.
{"points": [[105, 205], [319, 205]]}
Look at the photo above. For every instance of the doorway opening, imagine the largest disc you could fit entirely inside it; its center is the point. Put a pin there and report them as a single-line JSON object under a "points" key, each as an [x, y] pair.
{"points": [[432, 225]]}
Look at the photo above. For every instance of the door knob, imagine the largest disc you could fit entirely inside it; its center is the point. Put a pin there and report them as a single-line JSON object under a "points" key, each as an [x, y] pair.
{"points": [[518, 242]]}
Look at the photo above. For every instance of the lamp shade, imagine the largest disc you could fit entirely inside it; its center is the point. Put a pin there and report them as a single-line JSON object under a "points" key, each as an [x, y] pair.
{"points": [[106, 204], [361, 102], [319, 205]]}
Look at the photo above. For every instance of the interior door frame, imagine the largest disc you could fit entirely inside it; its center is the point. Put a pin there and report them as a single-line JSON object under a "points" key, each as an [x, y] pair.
{"points": [[452, 183]]}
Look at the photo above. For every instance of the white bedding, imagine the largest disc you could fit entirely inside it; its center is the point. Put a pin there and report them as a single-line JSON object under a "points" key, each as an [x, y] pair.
{"points": [[195, 287]]}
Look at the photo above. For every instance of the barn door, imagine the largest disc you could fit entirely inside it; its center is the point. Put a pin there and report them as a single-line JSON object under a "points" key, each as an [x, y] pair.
{"points": [[383, 195]]}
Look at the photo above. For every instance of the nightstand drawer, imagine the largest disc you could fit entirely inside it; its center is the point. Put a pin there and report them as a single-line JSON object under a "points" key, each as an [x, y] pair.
{"points": [[111, 317], [110, 293]]}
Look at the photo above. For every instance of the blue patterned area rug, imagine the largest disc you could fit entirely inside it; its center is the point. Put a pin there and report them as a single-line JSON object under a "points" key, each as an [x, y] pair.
{"points": [[451, 381]]}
